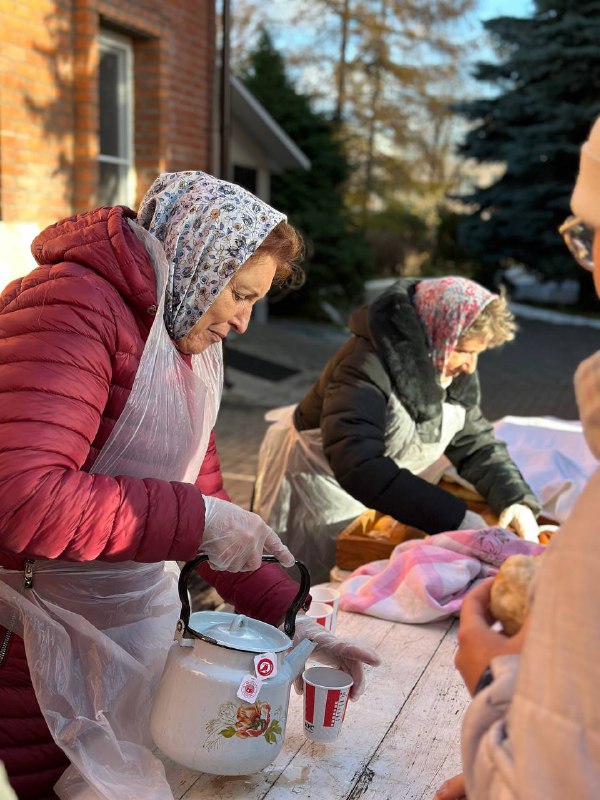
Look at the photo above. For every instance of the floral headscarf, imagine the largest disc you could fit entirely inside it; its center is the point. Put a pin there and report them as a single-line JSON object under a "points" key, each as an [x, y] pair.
{"points": [[447, 307], [208, 229]]}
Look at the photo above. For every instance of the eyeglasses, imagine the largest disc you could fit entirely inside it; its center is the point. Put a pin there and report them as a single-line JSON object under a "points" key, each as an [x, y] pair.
{"points": [[579, 238]]}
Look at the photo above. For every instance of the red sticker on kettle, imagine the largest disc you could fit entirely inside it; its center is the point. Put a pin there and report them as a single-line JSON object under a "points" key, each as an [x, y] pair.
{"points": [[249, 688], [265, 665]]}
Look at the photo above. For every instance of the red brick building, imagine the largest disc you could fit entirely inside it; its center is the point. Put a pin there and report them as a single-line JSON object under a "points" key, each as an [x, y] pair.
{"points": [[96, 98]]}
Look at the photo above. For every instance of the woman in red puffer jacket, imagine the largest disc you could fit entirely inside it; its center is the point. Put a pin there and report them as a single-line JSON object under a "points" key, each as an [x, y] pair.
{"points": [[72, 334]]}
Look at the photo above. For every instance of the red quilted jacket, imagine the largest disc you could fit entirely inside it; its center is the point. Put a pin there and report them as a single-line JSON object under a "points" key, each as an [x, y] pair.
{"points": [[71, 337]]}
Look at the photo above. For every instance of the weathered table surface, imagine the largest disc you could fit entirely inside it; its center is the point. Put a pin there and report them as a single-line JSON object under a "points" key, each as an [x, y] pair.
{"points": [[400, 740]]}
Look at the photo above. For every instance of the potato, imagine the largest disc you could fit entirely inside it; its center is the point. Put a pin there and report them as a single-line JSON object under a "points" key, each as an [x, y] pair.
{"points": [[384, 523], [511, 592]]}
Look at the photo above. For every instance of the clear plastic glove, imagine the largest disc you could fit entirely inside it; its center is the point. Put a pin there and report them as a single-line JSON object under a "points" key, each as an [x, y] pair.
{"points": [[521, 520], [472, 522], [235, 539], [338, 653]]}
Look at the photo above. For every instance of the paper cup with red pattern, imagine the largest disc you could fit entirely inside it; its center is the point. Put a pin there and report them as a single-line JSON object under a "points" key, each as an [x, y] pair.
{"points": [[326, 692], [331, 597], [321, 613]]}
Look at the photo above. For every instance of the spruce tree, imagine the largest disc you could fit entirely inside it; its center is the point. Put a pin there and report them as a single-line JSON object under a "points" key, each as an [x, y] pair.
{"points": [[547, 94], [338, 259]]}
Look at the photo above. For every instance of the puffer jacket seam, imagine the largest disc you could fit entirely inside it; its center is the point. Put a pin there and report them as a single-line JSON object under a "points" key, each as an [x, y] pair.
{"points": [[67, 260], [52, 392], [111, 530], [19, 334], [12, 511], [41, 449], [88, 276], [100, 543], [142, 528], [176, 537], [74, 538], [140, 292], [60, 302], [45, 361]]}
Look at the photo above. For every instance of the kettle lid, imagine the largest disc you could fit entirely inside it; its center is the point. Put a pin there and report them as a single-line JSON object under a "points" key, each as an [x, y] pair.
{"points": [[238, 632]]}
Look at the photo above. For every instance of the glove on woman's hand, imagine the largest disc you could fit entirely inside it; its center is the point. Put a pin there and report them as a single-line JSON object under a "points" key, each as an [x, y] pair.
{"points": [[521, 520], [338, 653], [234, 539], [472, 522]]}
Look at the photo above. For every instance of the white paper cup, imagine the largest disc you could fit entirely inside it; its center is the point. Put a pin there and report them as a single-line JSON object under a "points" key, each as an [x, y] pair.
{"points": [[326, 692], [321, 613], [331, 597]]}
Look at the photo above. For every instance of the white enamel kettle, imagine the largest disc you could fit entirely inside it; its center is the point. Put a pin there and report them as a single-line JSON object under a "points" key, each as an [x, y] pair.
{"points": [[198, 717]]}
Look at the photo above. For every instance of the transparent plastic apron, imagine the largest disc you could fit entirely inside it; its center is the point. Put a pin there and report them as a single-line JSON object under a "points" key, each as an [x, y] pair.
{"points": [[298, 495], [97, 634]]}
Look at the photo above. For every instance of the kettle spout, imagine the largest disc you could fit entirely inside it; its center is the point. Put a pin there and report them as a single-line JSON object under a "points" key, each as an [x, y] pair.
{"points": [[296, 658]]}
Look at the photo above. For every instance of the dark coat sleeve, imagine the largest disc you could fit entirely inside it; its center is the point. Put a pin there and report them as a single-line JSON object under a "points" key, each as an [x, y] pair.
{"points": [[353, 430], [265, 594], [484, 461]]}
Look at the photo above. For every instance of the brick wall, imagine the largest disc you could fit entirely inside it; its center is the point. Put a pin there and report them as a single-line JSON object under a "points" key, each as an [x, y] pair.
{"points": [[36, 109], [49, 97]]}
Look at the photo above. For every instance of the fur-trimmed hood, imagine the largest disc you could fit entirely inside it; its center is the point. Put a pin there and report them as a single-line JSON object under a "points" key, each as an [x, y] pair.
{"points": [[395, 331]]}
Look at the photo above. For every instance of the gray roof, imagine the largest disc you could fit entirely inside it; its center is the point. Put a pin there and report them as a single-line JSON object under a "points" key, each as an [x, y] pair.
{"points": [[282, 152]]}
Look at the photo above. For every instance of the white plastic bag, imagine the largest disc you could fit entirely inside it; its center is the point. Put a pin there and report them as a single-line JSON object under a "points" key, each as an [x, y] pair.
{"points": [[297, 494], [97, 634], [163, 430], [554, 458], [96, 637]]}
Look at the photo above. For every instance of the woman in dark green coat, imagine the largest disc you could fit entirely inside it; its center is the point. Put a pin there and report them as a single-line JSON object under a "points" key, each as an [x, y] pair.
{"points": [[400, 393]]}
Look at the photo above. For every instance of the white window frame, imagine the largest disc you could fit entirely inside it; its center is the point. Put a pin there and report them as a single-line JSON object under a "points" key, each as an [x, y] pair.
{"points": [[122, 47]]}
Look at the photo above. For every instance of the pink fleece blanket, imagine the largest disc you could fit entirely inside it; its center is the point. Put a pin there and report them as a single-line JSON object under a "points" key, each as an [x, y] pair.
{"points": [[426, 579]]}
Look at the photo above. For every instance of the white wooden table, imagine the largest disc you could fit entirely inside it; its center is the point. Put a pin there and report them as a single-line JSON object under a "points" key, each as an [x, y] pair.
{"points": [[400, 740]]}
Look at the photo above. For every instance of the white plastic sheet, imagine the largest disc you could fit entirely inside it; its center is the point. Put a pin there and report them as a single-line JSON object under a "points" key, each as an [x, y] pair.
{"points": [[96, 638], [163, 430], [553, 456]]}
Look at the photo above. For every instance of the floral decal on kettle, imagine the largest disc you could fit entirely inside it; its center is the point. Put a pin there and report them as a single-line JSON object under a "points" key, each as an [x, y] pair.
{"points": [[246, 721]]}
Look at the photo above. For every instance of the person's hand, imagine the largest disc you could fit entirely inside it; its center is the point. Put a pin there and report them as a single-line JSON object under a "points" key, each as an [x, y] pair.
{"points": [[339, 653], [521, 519], [472, 522], [587, 394], [478, 644], [235, 539], [452, 789]]}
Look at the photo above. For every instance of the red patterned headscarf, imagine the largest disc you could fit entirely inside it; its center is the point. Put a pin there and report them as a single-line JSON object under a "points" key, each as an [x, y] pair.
{"points": [[447, 307]]}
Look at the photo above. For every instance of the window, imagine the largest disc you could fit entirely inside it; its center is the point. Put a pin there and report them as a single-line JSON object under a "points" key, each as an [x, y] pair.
{"points": [[117, 176], [246, 177]]}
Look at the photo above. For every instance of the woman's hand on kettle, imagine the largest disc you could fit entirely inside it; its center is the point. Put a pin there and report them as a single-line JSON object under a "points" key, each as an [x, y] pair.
{"points": [[350, 657], [235, 539]]}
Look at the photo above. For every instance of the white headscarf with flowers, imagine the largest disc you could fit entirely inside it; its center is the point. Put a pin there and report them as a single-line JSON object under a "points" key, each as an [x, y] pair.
{"points": [[208, 228]]}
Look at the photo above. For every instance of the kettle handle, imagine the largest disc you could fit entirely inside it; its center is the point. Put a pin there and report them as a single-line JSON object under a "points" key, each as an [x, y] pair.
{"points": [[290, 616]]}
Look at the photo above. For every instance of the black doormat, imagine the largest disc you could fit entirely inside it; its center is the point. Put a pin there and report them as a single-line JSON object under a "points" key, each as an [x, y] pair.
{"points": [[254, 365]]}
